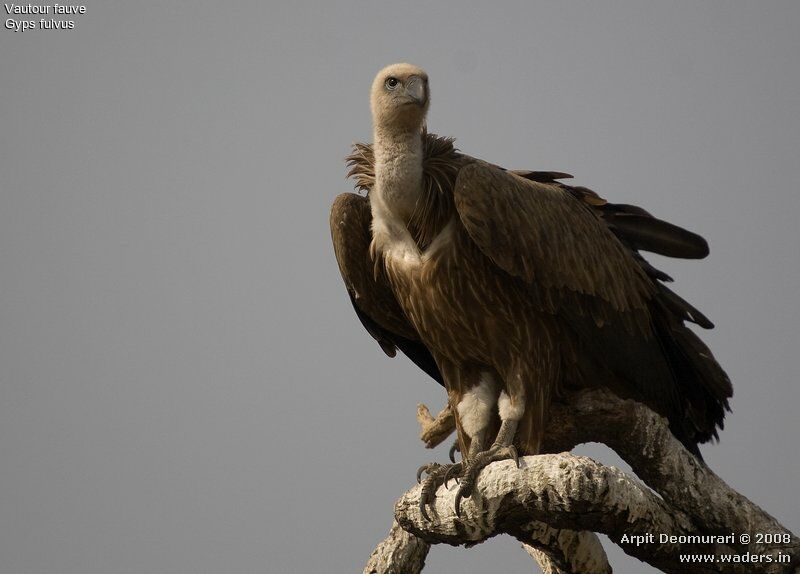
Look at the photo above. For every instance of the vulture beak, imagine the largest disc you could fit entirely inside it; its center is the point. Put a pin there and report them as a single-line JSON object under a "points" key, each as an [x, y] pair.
{"points": [[415, 90]]}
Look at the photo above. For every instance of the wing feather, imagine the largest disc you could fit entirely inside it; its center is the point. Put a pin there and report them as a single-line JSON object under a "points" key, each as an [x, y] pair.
{"points": [[583, 252], [544, 234], [372, 298]]}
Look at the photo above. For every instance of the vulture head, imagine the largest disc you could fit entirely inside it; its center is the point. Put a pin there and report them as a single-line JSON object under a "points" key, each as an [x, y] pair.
{"points": [[400, 97]]}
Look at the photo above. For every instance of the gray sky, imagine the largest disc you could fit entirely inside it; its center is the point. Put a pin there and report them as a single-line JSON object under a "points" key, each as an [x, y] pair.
{"points": [[184, 386]]}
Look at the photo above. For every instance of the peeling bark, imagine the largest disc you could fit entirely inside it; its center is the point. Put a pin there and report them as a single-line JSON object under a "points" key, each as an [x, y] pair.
{"points": [[566, 551], [555, 503], [399, 553], [547, 565]]}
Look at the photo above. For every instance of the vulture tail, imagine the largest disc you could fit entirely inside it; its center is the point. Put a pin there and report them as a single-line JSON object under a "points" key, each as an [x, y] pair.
{"points": [[702, 386]]}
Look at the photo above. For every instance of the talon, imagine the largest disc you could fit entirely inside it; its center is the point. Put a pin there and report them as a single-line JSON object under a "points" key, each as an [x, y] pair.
{"points": [[429, 468], [458, 503], [467, 486], [465, 491], [452, 453], [452, 472], [436, 474], [422, 511], [425, 497], [469, 475]]}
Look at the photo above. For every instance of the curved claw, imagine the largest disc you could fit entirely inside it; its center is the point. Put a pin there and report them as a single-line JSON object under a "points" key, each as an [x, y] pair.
{"points": [[425, 498], [467, 486], [420, 470], [430, 484], [452, 453], [422, 511], [429, 468], [458, 503], [469, 476], [452, 472], [465, 491]]}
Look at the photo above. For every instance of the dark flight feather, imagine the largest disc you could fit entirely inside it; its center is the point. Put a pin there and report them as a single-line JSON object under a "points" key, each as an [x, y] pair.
{"points": [[373, 301], [650, 234]]}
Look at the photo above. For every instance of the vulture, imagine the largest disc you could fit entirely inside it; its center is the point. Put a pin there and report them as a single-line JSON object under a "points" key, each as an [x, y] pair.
{"points": [[509, 287]]}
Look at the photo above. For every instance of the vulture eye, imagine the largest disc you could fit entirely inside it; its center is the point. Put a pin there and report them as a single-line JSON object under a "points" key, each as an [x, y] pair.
{"points": [[391, 83]]}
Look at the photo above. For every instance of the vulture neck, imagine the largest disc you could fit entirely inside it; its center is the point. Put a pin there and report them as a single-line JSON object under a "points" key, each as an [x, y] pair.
{"points": [[398, 172], [396, 193]]}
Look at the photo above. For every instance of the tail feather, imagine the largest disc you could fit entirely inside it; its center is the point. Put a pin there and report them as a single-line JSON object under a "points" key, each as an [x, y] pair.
{"points": [[702, 385]]}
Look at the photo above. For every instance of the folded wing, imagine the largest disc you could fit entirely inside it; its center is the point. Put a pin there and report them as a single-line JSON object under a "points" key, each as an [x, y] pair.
{"points": [[372, 298], [580, 257]]}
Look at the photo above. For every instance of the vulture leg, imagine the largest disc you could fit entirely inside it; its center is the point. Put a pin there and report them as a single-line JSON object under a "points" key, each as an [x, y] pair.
{"points": [[502, 449], [474, 414]]}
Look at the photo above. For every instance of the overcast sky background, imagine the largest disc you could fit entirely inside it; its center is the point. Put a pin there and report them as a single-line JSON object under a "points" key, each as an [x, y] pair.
{"points": [[183, 384]]}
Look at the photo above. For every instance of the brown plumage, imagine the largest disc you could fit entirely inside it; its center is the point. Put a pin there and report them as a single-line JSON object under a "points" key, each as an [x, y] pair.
{"points": [[507, 286]]}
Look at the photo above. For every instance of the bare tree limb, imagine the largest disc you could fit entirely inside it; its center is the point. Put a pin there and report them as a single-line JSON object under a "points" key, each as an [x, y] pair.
{"points": [[566, 491], [555, 502], [556, 551], [566, 551], [643, 439], [434, 430], [547, 565], [399, 553]]}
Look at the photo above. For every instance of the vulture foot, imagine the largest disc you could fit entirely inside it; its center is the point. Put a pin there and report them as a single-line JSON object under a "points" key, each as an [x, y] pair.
{"points": [[437, 475], [470, 474]]}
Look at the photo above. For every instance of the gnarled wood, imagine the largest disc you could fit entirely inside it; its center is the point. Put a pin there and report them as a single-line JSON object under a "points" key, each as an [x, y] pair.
{"points": [[561, 551], [399, 553], [554, 501], [434, 430]]}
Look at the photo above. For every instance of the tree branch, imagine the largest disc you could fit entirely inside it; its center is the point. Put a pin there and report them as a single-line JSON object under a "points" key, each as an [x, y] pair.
{"points": [[566, 551], [432, 431], [643, 439], [554, 502], [399, 553]]}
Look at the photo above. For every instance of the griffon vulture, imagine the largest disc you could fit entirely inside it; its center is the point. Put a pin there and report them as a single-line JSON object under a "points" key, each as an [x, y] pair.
{"points": [[507, 286]]}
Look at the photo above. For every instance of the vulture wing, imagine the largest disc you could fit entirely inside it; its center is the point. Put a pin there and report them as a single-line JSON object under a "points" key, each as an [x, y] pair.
{"points": [[372, 298], [544, 234], [580, 257]]}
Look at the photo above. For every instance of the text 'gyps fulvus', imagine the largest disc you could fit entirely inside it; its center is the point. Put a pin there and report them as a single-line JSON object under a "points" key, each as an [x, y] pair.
{"points": [[507, 287]]}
